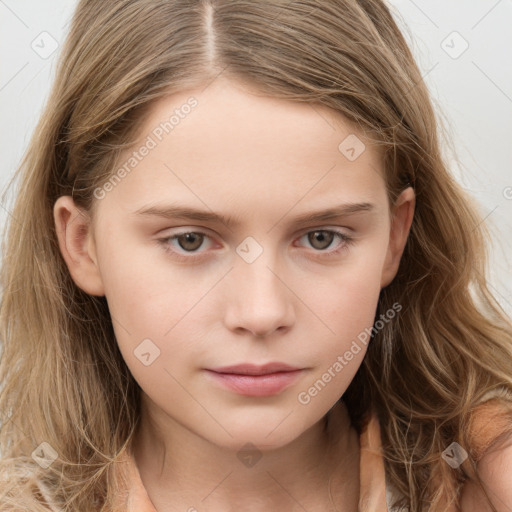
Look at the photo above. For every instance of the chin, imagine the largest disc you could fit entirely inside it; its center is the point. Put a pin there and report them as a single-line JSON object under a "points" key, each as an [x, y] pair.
{"points": [[265, 433]]}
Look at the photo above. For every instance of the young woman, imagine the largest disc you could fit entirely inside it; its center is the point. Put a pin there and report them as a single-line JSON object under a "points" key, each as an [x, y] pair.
{"points": [[239, 275]]}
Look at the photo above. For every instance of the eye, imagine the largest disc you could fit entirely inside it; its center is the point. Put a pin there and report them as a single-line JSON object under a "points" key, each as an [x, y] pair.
{"points": [[185, 245], [186, 242], [321, 239], [190, 241]]}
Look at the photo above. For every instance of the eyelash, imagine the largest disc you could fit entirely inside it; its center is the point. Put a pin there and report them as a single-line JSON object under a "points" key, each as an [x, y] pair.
{"points": [[346, 240]]}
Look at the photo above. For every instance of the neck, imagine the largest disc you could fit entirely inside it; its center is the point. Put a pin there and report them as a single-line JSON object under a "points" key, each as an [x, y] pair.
{"points": [[181, 470]]}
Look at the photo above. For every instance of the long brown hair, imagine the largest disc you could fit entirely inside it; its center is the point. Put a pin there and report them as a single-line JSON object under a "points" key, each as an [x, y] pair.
{"points": [[64, 381]]}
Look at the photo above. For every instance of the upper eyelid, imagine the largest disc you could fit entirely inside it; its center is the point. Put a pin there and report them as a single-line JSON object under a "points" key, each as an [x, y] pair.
{"points": [[300, 233], [207, 231]]}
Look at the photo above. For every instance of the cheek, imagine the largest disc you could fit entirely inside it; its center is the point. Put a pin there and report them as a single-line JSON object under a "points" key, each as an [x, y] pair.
{"points": [[156, 308], [347, 304], [349, 298], [338, 357], [350, 314], [145, 292]]}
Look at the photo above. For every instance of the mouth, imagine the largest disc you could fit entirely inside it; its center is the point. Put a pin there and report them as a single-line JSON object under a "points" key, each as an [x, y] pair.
{"points": [[252, 380], [253, 369]]}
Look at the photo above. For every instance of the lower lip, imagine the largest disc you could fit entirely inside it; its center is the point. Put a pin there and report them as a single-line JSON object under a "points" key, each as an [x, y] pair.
{"points": [[256, 385]]}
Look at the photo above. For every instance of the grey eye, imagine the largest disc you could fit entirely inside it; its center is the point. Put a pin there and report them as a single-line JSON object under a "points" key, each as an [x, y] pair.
{"points": [[321, 239]]}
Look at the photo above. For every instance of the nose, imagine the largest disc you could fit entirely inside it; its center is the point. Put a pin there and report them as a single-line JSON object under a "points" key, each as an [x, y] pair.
{"points": [[259, 300]]}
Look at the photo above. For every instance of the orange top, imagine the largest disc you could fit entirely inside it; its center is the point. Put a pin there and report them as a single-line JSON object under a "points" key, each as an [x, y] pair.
{"points": [[372, 496]]}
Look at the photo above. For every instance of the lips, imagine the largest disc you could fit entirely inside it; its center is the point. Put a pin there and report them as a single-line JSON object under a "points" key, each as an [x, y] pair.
{"points": [[255, 380], [252, 369]]}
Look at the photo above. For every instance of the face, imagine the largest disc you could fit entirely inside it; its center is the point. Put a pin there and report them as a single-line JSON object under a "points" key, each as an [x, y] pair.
{"points": [[266, 279]]}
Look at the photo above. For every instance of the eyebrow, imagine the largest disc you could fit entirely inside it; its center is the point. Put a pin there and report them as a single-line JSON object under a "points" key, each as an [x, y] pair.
{"points": [[175, 211]]}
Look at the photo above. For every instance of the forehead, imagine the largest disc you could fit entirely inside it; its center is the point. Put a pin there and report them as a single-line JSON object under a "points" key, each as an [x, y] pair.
{"points": [[229, 143], [246, 119]]}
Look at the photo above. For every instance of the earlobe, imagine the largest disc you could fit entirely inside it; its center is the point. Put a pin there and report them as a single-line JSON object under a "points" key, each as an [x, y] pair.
{"points": [[403, 213], [77, 246]]}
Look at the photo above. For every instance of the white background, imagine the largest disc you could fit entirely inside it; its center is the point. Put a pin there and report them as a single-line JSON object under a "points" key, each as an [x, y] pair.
{"points": [[473, 92]]}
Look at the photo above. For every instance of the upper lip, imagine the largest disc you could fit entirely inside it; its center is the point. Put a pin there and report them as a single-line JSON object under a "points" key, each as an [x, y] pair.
{"points": [[253, 369]]}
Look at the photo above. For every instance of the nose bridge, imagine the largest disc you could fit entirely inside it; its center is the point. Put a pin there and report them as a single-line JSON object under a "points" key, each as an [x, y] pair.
{"points": [[256, 269], [261, 301]]}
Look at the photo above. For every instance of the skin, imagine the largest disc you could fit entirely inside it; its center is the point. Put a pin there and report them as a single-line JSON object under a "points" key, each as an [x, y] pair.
{"points": [[495, 470], [263, 161]]}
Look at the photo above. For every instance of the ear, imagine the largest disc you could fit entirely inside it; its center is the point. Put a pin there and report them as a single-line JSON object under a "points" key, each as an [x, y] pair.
{"points": [[401, 220], [76, 243]]}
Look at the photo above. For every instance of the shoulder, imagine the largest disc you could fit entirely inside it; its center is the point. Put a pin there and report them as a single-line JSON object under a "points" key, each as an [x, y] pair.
{"points": [[495, 470], [490, 435]]}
